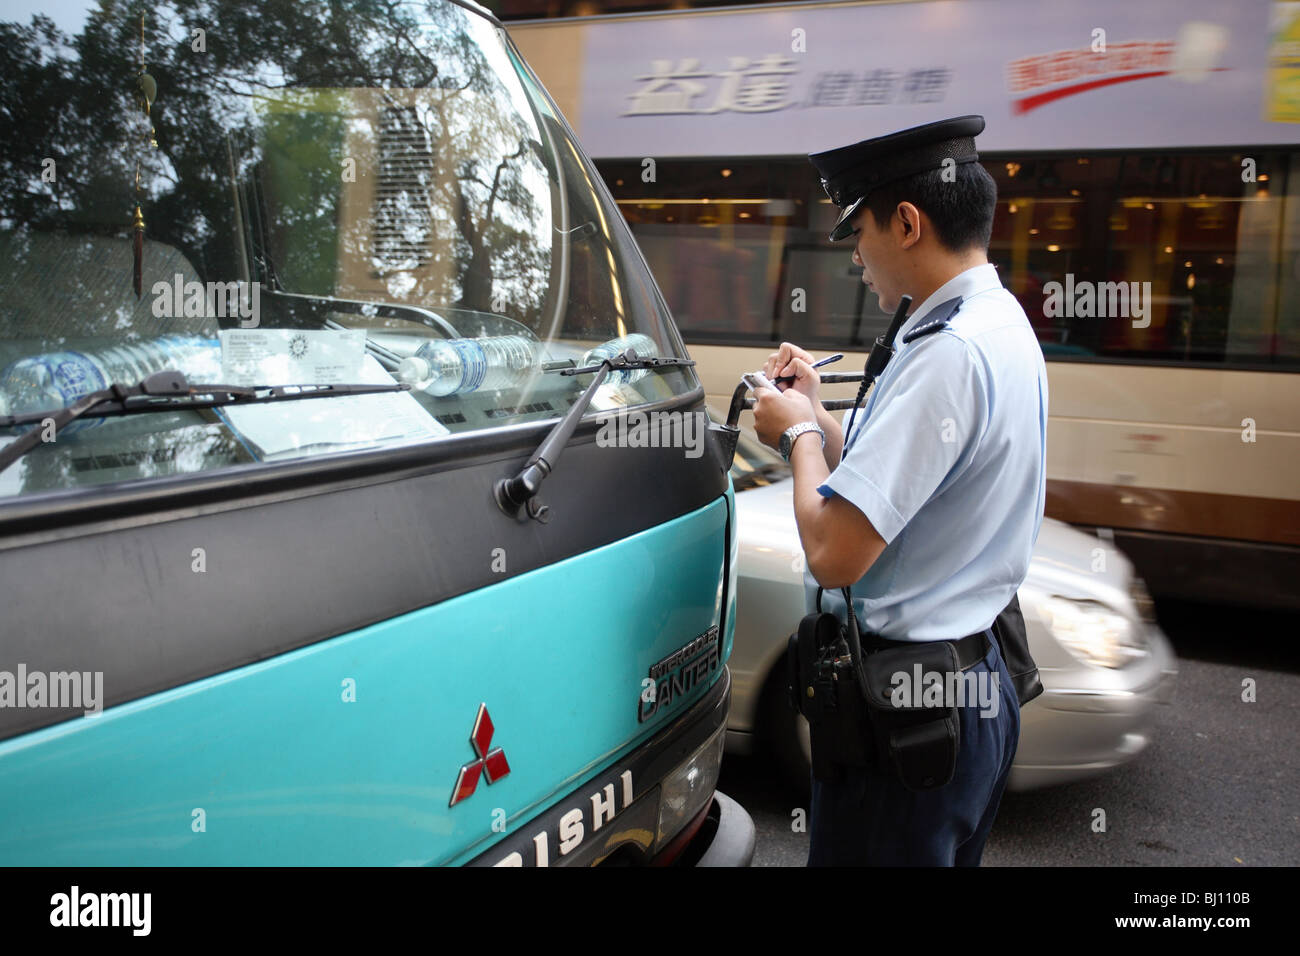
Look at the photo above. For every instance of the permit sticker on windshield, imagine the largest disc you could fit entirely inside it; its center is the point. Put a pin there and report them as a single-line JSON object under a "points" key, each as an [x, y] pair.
{"points": [[291, 429], [610, 396], [291, 356]]}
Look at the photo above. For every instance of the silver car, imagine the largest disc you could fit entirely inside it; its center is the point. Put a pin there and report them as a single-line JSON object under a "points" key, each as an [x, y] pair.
{"points": [[1104, 663]]}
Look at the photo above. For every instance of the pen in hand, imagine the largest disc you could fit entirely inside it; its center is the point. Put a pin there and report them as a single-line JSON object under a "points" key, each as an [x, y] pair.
{"points": [[826, 361]]}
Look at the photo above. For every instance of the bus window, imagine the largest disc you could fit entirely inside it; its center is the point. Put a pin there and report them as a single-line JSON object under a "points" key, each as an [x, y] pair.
{"points": [[1195, 247], [744, 259], [718, 238], [1288, 272]]}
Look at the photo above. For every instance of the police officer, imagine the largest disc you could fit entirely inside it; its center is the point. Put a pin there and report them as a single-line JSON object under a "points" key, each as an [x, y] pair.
{"points": [[932, 513]]}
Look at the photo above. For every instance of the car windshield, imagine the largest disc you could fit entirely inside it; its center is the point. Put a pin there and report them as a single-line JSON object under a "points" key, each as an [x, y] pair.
{"points": [[298, 193]]}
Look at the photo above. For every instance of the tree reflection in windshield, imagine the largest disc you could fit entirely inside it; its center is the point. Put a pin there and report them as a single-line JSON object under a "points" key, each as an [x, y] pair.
{"points": [[368, 143], [312, 158]]}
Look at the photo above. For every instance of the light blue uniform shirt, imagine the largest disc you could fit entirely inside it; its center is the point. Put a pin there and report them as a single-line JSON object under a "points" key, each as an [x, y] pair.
{"points": [[947, 461]]}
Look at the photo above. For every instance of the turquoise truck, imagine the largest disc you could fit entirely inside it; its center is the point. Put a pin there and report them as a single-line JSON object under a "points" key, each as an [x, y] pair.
{"points": [[358, 503]]}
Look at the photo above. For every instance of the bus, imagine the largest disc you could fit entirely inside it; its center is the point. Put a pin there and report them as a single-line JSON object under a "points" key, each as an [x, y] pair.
{"points": [[313, 546], [1147, 158]]}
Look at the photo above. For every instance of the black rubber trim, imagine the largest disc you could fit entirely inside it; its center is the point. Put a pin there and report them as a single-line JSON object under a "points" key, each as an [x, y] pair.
{"points": [[733, 843], [483, 12], [1227, 571]]}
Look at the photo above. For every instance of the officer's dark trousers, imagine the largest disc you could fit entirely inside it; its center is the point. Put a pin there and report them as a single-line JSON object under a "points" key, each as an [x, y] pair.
{"points": [[868, 818]]}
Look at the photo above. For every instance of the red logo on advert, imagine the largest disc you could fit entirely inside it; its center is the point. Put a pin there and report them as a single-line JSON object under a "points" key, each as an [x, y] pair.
{"points": [[1070, 72], [490, 763]]}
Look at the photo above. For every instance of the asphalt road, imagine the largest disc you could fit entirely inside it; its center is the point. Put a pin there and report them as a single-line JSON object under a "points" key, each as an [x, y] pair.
{"points": [[1218, 786]]}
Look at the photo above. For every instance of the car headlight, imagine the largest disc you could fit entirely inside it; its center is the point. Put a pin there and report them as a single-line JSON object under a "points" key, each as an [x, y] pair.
{"points": [[1093, 632]]}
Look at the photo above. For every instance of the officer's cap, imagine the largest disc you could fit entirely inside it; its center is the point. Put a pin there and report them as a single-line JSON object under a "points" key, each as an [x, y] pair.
{"points": [[849, 173]]}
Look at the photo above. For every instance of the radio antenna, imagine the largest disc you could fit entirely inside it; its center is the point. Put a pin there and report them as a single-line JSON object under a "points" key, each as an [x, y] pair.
{"points": [[881, 352]]}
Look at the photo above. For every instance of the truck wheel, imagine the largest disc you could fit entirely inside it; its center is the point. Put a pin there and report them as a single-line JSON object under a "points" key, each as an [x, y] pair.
{"points": [[785, 733]]}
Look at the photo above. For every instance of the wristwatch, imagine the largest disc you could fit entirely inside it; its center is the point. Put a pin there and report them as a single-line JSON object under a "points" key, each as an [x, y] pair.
{"points": [[794, 431]]}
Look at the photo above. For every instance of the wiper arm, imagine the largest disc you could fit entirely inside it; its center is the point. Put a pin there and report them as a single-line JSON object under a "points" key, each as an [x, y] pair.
{"points": [[165, 391], [513, 493]]}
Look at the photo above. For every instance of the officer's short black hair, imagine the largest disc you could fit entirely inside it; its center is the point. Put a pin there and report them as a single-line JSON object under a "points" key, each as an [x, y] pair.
{"points": [[961, 211]]}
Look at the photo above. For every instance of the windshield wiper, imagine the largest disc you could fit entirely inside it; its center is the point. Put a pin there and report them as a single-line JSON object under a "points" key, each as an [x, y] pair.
{"points": [[513, 493], [385, 310], [165, 391]]}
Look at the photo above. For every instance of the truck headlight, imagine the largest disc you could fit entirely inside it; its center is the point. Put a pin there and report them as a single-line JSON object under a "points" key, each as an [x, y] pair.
{"points": [[689, 788], [1094, 633]]}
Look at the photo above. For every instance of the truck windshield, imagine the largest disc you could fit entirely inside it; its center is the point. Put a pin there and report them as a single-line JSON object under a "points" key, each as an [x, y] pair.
{"points": [[298, 193]]}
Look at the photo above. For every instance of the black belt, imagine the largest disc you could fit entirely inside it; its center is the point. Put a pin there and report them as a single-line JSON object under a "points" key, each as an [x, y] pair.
{"points": [[971, 649]]}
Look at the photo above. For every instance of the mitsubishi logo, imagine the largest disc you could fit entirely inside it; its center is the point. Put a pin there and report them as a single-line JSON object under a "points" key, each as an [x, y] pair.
{"points": [[491, 763]]}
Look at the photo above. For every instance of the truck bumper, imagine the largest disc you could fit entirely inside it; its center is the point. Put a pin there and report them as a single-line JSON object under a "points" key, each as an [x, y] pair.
{"points": [[733, 837]]}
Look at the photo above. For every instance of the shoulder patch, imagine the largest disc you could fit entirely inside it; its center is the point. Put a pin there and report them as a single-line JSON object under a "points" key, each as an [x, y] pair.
{"points": [[936, 320]]}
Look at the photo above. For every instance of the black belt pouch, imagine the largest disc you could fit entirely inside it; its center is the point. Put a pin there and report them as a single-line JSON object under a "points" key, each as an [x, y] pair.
{"points": [[919, 742], [824, 689]]}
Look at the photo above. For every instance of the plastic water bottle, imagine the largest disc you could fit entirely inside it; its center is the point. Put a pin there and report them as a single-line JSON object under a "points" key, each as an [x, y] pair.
{"points": [[56, 379], [645, 348], [458, 366]]}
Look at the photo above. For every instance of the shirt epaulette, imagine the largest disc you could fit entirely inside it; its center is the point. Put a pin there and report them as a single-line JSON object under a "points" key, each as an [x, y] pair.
{"points": [[942, 313]]}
